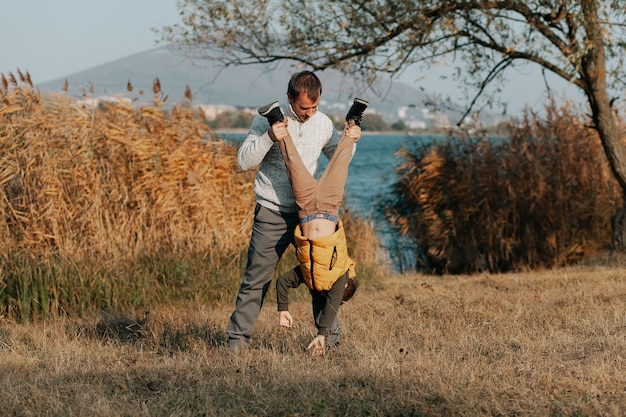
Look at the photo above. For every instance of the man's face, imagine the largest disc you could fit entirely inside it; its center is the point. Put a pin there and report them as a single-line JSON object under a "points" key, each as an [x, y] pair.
{"points": [[303, 106]]}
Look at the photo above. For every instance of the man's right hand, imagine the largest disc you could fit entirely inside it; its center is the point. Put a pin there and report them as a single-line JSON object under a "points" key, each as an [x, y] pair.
{"points": [[278, 131]]}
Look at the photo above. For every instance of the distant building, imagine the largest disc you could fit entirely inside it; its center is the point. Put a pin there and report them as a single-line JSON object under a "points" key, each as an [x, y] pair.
{"points": [[416, 118], [415, 124], [212, 110], [93, 102]]}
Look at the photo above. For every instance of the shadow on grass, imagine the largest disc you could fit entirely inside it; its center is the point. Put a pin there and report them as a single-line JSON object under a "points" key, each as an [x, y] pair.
{"points": [[149, 331]]}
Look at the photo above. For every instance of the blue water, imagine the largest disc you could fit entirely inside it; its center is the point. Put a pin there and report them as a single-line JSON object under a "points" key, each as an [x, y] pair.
{"points": [[372, 171], [371, 175]]}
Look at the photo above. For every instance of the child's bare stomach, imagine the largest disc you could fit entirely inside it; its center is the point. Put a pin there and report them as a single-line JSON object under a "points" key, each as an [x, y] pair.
{"points": [[318, 228]]}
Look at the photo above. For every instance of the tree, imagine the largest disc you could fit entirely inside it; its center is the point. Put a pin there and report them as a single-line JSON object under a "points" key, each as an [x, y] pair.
{"points": [[580, 41], [374, 122], [398, 125], [232, 120]]}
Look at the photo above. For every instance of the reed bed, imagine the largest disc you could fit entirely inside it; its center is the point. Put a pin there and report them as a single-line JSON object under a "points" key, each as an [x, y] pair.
{"points": [[522, 344], [115, 180], [119, 205], [543, 196]]}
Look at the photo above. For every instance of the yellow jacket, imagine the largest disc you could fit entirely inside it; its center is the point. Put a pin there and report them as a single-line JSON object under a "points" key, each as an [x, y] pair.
{"points": [[324, 259]]}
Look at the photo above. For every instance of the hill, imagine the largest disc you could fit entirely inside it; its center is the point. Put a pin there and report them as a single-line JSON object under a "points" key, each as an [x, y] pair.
{"points": [[244, 86]]}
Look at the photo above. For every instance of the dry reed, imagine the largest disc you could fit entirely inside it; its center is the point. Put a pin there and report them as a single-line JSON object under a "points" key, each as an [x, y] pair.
{"points": [[542, 197], [119, 206], [114, 180]]}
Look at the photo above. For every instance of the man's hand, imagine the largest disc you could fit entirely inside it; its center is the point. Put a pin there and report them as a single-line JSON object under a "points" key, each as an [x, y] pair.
{"points": [[278, 131], [352, 131], [285, 319], [317, 346]]}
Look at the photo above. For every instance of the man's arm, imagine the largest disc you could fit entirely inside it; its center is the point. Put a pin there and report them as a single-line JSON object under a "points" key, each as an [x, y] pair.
{"points": [[256, 145], [331, 145]]}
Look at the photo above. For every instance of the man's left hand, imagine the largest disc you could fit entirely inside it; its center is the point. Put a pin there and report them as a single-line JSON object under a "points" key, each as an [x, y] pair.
{"points": [[353, 132]]}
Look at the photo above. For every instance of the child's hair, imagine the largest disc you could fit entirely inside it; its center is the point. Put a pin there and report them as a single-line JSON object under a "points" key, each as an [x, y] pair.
{"points": [[351, 286]]}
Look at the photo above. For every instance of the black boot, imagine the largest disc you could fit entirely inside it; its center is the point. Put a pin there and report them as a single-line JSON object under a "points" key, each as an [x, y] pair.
{"points": [[272, 112], [356, 111]]}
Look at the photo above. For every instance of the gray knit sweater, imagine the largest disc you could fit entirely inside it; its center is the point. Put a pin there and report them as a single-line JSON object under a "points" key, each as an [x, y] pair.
{"points": [[311, 138]]}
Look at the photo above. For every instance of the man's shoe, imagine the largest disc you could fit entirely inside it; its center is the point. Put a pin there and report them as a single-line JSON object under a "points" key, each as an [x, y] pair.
{"points": [[237, 344], [272, 112], [356, 111]]}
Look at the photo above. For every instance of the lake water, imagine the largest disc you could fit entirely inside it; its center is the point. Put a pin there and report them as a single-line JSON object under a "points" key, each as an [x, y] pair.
{"points": [[371, 174]]}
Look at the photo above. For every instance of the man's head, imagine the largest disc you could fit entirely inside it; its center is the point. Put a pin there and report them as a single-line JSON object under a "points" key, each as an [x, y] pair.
{"points": [[304, 91]]}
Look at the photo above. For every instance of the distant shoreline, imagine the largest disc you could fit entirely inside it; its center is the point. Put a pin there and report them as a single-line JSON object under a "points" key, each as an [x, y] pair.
{"points": [[365, 132]]}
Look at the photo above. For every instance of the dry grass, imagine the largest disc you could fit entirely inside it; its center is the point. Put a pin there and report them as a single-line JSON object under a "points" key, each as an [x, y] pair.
{"points": [[113, 205], [526, 344]]}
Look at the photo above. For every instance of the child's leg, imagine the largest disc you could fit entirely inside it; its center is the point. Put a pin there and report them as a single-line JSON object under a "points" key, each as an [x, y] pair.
{"points": [[302, 182], [303, 185], [331, 185]]}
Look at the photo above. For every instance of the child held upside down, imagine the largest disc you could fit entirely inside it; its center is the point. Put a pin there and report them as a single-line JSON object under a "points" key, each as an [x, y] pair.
{"points": [[321, 247]]}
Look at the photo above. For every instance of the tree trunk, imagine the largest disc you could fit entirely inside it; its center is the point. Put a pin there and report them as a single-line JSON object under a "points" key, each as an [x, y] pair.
{"points": [[615, 150], [618, 222], [593, 75], [616, 154]]}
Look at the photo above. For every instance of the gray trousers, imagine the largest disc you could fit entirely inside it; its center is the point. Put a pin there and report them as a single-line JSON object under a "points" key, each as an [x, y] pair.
{"points": [[272, 233]]}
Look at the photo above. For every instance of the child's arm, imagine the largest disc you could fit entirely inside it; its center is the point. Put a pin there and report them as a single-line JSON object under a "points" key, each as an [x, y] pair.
{"points": [[291, 279], [317, 346], [285, 319], [331, 301], [327, 315]]}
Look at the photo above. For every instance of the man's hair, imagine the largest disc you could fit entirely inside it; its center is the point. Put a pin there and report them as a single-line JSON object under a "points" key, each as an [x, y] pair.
{"points": [[351, 286], [304, 82]]}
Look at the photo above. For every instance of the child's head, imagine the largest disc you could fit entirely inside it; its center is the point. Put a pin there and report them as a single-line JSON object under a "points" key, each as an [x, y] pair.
{"points": [[351, 286]]}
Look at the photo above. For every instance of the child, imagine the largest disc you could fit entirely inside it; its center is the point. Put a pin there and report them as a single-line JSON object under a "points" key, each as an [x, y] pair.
{"points": [[321, 248]]}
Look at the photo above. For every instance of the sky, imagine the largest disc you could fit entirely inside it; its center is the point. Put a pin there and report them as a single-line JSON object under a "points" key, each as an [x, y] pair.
{"points": [[55, 38]]}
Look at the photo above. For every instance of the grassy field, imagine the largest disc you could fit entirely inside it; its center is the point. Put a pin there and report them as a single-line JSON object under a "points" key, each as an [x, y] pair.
{"points": [[526, 344]]}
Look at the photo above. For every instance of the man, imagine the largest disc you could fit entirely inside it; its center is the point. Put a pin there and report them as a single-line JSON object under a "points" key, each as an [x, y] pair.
{"points": [[276, 214]]}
